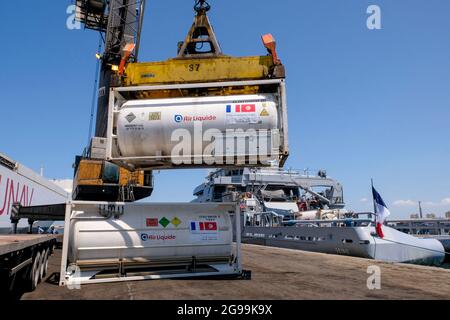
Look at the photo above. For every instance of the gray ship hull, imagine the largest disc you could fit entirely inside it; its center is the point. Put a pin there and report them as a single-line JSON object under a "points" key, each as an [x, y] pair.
{"points": [[352, 241]]}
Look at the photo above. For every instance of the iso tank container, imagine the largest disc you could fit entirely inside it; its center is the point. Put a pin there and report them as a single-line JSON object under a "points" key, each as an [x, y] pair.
{"points": [[149, 231], [145, 127], [198, 131]]}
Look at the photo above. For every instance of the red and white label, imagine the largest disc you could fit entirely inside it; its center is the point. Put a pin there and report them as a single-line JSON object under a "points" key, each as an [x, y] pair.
{"points": [[203, 226], [248, 108]]}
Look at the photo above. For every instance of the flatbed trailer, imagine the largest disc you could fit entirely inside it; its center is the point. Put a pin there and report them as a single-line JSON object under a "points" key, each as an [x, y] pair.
{"points": [[118, 241], [24, 260]]}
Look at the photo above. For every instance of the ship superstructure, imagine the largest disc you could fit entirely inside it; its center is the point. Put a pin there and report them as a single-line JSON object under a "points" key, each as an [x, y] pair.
{"points": [[289, 209]]}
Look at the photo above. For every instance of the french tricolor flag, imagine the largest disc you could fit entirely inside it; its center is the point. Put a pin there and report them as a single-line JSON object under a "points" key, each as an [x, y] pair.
{"points": [[381, 211], [203, 226]]}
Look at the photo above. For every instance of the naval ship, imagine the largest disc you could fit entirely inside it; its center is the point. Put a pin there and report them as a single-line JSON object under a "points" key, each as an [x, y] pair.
{"points": [[304, 211]]}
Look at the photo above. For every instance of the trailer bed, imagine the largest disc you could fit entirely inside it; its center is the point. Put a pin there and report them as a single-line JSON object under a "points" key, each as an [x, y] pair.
{"points": [[24, 261], [17, 242]]}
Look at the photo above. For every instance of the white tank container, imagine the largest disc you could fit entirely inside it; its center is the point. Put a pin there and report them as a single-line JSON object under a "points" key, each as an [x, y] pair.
{"points": [[150, 231], [145, 127]]}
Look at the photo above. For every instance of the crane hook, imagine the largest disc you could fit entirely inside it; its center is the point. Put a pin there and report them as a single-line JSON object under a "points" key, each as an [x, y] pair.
{"points": [[201, 5]]}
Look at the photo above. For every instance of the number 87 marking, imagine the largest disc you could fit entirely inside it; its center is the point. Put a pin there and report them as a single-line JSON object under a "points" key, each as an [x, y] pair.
{"points": [[194, 67]]}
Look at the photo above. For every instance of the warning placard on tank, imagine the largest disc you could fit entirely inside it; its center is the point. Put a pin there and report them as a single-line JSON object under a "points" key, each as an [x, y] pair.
{"points": [[204, 230], [242, 119], [238, 113]]}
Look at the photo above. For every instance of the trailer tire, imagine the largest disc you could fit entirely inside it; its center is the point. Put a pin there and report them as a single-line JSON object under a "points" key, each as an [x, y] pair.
{"points": [[35, 272], [44, 264]]}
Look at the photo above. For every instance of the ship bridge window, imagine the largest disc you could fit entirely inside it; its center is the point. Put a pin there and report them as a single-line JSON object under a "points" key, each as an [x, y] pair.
{"points": [[236, 172]]}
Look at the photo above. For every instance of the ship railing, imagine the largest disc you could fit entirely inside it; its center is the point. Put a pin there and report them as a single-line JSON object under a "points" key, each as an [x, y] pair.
{"points": [[273, 219], [348, 222], [422, 226], [267, 219], [287, 172]]}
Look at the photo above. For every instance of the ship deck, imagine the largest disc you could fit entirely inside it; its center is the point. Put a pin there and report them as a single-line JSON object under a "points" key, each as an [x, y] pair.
{"points": [[276, 274]]}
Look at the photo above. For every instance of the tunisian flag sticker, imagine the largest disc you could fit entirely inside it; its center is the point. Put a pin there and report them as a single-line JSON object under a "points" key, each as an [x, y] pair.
{"points": [[210, 226], [248, 108]]}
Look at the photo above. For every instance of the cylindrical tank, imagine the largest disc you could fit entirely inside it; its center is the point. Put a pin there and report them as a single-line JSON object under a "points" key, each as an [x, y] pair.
{"points": [[145, 128], [150, 231]]}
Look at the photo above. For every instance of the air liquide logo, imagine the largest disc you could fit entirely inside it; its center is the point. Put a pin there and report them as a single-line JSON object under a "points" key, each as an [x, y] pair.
{"points": [[178, 118], [157, 237], [144, 237]]}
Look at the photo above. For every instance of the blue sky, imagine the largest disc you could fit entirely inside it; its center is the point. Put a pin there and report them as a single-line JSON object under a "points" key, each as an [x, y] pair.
{"points": [[361, 103]]}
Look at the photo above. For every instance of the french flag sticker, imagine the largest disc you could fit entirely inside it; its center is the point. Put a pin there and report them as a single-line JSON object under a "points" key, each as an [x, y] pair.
{"points": [[195, 226]]}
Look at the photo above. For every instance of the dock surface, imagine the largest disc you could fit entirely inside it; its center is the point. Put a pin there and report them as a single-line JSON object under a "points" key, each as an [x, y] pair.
{"points": [[276, 274]]}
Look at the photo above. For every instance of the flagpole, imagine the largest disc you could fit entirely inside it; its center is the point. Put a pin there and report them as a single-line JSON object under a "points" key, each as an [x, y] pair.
{"points": [[373, 200]]}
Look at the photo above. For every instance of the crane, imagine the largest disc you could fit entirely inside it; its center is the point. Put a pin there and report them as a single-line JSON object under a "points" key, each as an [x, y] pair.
{"points": [[119, 23]]}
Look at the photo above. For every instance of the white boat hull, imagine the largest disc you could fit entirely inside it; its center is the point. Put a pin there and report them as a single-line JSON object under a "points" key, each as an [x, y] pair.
{"points": [[351, 241]]}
